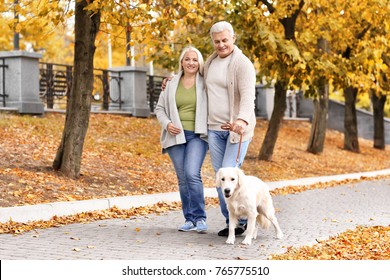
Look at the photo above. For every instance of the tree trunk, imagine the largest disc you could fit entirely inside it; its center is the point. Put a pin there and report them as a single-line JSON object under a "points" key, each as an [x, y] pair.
{"points": [[379, 125], [267, 148], [351, 139], [68, 157], [320, 121]]}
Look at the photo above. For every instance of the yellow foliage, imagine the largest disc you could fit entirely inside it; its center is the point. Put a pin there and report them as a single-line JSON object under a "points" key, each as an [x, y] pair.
{"points": [[162, 29]]}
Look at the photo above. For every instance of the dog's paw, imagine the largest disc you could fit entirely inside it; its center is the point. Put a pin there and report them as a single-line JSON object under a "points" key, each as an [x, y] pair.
{"points": [[279, 235], [230, 241], [247, 241]]}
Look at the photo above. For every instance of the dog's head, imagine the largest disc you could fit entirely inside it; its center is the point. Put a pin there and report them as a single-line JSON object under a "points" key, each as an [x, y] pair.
{"points": [[229, 179]]}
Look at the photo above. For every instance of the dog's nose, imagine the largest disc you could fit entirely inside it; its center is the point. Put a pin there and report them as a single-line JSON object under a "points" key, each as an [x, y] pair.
{"points": [[227, 191]]}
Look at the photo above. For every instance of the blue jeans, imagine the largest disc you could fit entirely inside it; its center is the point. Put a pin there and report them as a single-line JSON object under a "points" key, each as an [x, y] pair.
{"points": [[224, 154], [188, 159]]}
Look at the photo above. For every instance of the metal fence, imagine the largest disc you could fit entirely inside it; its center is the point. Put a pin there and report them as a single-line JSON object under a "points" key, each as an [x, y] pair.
{"points": [[55, 83], [153, 84], [3, 94]]}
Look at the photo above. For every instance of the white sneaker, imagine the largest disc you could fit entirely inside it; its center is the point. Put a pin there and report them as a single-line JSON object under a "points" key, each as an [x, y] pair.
{"points": [[188, 226], [201, 226]]}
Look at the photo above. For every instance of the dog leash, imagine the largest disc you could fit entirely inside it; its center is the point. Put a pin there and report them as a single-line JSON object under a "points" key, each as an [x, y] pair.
{"points": [[229, 126]]}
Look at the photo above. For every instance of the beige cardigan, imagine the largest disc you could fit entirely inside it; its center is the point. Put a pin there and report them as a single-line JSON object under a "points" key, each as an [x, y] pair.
{"points": [[241, 81], [166, 112]]}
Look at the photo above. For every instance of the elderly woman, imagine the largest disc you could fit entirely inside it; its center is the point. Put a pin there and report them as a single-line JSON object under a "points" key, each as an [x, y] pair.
{"points": [[182, 113]]}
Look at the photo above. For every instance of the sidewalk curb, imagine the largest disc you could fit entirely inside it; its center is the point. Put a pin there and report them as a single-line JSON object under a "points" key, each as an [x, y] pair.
{"points": [[323, 179], [47, 211]]}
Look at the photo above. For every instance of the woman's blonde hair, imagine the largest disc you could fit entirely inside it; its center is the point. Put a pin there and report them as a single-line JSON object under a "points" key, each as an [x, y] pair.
{"points": [[191, 49]]}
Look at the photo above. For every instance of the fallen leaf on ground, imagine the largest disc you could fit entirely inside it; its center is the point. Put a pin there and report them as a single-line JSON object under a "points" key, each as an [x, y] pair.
{"points": [[362, 243]]}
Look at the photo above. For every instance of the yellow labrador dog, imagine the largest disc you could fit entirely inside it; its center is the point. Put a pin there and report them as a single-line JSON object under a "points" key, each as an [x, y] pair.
{"points": [[246, 197]]}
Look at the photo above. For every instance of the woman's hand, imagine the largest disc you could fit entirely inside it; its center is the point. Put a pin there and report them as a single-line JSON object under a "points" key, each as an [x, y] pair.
{"points": [[173, 129]]}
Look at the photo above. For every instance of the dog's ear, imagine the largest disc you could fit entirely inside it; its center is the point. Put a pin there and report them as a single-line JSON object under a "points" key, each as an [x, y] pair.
{"points": [[241, 177], [218, 178]]}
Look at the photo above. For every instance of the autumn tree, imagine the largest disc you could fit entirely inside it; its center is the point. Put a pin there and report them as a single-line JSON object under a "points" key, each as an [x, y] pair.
{"points": [[379, 63], [317, 53], [378, 100], [315, 59], [360, 65], [144, 20], [350, 67], [41, 26], [294, 44], [68, 157], [147, 20], [178, 24], [266, 32], [351, 137], [282, 82], [378, 103], [6, 21], [293, 53]]}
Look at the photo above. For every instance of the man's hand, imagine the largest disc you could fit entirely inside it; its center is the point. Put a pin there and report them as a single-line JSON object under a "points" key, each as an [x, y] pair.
{"points": [[164, 82], [238, 126]]}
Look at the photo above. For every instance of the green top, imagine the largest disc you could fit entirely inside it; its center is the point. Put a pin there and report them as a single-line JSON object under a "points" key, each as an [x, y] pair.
{"points": [[186, 105]]}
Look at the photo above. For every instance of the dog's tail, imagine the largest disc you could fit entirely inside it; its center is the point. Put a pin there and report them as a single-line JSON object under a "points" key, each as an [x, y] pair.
{"points": [[263, 222]]}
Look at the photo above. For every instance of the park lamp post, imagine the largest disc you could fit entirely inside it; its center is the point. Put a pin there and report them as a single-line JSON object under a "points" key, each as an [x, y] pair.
{"points": [[16, 21]]}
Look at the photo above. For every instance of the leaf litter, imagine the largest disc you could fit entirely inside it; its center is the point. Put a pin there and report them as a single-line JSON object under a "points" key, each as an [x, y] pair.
{"points": [[122, 156]]}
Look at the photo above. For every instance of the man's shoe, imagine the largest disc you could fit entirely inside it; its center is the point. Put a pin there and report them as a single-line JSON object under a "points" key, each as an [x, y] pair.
{"points": [[240, 229], [201, 226], [224, 232], [188, 226], [237, 231]]}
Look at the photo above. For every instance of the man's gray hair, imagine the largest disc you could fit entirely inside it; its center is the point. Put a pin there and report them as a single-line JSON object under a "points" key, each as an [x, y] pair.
{"points": [[221, 26]]}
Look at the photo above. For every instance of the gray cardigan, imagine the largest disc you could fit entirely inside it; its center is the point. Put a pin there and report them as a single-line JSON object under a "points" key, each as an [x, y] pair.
{"points": [[241, 81], [166, 112]]}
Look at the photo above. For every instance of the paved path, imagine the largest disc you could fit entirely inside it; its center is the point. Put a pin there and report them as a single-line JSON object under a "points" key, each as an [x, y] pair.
{"points": [[303, 217]]}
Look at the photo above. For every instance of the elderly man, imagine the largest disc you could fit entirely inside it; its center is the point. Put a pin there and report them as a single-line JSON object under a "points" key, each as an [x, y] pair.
{"points": [[230, 80]]}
